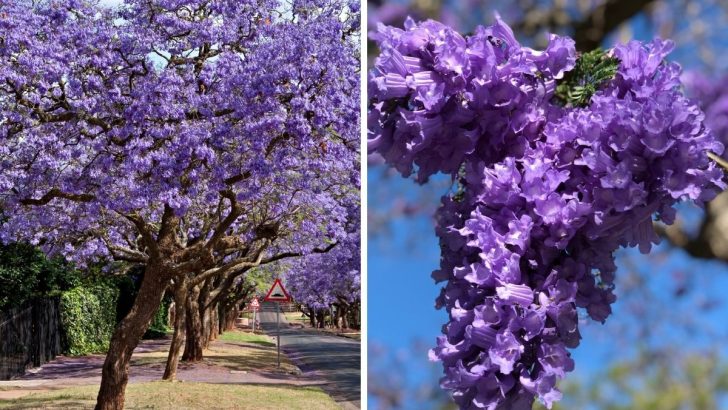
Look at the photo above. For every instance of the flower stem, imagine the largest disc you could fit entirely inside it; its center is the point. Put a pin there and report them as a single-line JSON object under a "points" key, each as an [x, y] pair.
{"points": [[718, 160]]}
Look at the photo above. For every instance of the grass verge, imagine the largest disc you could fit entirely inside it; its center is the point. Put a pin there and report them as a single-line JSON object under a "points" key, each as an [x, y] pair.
{"points": [[166, 395], [255, 353], [296, 317], [236, 336]]}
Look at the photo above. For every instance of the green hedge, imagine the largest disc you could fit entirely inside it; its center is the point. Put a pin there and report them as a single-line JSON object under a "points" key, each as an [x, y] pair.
{"points": [[159, 326], [88, 315]]}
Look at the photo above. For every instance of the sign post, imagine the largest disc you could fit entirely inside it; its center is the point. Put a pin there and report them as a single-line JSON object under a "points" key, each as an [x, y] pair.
{"points": [[277, 293], [278, 332], [255, 305]]}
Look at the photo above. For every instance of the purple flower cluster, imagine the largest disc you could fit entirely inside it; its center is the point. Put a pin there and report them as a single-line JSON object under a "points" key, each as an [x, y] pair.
{"points": [[710, 93], [439, 99], [321, 280], [111, 113], [546, 193]]}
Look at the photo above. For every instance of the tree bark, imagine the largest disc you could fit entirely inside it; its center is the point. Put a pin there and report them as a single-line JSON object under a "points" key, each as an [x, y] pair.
{"points": [[231, 316], [342, 313], [207, 325], [310, 315], [354, 316], [128, 332], [214, 323], [320, 318], [180, 310], [193, 343], [206, 314]]}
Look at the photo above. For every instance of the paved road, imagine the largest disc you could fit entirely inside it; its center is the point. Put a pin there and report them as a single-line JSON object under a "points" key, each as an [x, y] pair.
{"points": [[332, 358]]}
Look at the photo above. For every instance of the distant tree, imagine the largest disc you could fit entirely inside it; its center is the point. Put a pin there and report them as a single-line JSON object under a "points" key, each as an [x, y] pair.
{"points": [[26, 273], [320, 282]]}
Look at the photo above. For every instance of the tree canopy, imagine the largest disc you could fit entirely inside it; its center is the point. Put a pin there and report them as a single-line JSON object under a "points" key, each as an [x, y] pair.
{"points": [[228, 122]]}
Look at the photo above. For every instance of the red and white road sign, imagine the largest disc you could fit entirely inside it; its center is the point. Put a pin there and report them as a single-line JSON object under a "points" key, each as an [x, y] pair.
{"points": [[277, 293], [255, 305]]}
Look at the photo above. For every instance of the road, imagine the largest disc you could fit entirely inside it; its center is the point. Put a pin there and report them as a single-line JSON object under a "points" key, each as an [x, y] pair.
{"points": [[334, 359]]}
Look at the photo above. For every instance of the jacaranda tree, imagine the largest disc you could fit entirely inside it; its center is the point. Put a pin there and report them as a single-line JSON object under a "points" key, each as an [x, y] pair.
{"points": [[558, 159], [321, 281], [182, 135]]}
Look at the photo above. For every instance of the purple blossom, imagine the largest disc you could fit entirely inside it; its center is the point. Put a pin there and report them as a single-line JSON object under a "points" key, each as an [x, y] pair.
{"points": [[332, 278], [545, 193], [114, 112], [709, 93]]}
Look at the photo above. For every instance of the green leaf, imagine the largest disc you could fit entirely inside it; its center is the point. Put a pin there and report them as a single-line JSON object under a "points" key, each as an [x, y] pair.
{"points": [[591, 71]]}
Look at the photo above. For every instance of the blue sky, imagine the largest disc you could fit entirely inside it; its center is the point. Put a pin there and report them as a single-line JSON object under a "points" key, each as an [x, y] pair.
{"points": [[401, 296]]}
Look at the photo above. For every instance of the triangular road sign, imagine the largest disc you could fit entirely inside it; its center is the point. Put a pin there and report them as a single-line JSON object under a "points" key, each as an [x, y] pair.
{"points": [[277, 293], [255, 304]]}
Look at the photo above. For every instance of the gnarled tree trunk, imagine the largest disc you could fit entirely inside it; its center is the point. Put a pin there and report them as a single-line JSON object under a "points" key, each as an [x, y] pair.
{"points": [[206, 316], [180, 310], [206, 326], [129, 331], [193, 343], [310, 314], [231, 316], [214, 323]]}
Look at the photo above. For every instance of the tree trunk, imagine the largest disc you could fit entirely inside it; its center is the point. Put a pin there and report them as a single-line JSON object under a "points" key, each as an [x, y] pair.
{"points": [[307, 311], [207, 325], [128, 332], [342, 313], [205, 314], [231, 316], [180, 310], [193, 343], [356, 315], [214, 322]]}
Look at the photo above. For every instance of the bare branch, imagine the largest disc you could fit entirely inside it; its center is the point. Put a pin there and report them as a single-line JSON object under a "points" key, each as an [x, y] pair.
{"points": [[226, 223], [145, 232], [57, 193], [125, 254], [234, 265], [285, 255]]}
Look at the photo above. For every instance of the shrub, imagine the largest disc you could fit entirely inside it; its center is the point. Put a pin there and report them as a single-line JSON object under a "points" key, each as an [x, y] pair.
{"points": [[160, 324], [88, 316]]}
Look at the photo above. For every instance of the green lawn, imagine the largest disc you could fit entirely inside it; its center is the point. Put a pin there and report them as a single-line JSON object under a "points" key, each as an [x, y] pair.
{"points": [[247, 315], [178, 395], [295, 317], [246, 337], [259, 354]]}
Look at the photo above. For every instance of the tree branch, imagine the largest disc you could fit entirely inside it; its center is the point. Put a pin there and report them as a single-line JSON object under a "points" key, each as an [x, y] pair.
{"points": [[297, 254], [236, 264], [57, 193], [591, 31], [227, 222], [145, 232]]}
